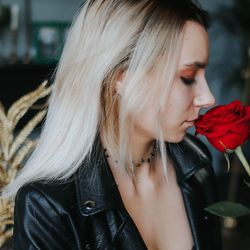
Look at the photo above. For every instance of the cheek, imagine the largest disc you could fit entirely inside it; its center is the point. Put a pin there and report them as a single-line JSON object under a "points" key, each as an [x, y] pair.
{"points": [[178, 104], [145, 122], [181, 95], [177, 111]]}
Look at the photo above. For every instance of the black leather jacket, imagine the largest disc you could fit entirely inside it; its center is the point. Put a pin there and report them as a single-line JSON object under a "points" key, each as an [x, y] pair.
{"points": [[87, 212]]}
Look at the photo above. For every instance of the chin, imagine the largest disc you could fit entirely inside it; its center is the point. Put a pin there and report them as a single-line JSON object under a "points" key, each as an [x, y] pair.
{"points": [[175, 138]]}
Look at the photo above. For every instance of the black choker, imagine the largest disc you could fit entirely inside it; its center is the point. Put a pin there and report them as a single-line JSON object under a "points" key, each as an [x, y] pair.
{"points": [[151, 156]]}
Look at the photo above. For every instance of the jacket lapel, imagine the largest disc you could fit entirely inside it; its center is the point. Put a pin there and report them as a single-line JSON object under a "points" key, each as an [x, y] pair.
{"points": [[97, 191], [95, 182]]}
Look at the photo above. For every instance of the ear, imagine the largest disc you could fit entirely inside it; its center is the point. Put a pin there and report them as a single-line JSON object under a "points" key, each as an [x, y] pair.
{"points": [[120, 83], [119, 87]]}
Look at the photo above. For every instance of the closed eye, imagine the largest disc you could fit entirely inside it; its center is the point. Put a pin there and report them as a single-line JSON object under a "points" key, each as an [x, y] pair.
{"points": [[188, 81]]}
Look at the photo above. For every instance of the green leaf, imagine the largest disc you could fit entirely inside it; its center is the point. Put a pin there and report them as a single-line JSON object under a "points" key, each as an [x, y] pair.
{"points": [[228, 209]]}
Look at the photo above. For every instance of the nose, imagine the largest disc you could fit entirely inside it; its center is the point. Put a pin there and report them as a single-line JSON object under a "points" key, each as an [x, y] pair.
{"points": [[204, 97]]}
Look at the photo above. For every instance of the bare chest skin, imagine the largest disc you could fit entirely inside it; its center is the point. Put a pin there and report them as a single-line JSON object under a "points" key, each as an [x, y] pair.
{"points": [[156, 207]]}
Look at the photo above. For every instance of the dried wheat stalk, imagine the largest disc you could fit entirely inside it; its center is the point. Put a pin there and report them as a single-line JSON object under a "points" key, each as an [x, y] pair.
{"points": [[13, 149]]}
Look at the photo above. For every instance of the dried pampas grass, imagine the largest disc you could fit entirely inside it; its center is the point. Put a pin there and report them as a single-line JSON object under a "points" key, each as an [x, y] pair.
{"points": [[14, 148]]}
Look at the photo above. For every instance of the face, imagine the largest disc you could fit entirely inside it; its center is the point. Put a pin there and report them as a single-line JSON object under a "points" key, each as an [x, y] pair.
{"points": [[189, 92]]}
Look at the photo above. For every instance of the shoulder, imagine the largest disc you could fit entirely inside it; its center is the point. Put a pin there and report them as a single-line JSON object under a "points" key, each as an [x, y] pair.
{"points": [[190, 156], [195, 171], [41, 208], [47, 195], [197, 148], [201, 156], [56, 191], [204, 175]]}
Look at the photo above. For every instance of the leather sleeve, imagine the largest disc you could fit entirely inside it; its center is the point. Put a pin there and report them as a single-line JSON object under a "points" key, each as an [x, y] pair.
{"points": [[37, 223]]}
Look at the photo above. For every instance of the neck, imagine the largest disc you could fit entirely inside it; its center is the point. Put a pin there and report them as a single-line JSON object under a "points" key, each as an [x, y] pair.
{"points": [[141, 146]]}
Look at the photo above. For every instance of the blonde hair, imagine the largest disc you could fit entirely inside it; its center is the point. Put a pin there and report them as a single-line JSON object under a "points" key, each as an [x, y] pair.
{"points": [[107, 37]]}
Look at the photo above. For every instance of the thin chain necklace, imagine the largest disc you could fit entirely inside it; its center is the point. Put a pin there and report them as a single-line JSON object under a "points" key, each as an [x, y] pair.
{"points": [[148, 159]]}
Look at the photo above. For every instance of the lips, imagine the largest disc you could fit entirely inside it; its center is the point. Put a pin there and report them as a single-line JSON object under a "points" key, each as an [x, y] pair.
{"points": [[192, 120], [188, 124]]}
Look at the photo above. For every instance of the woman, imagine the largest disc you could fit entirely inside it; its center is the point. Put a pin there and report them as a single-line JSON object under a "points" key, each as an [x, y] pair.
{"points": [[114, 167]]}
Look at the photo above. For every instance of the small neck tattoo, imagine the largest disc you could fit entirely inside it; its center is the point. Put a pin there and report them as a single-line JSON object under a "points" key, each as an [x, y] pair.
{"points": [[138, 164]]}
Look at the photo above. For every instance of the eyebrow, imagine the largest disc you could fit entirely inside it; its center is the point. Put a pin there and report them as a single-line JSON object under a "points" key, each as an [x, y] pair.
{"points": [[196, 64]]}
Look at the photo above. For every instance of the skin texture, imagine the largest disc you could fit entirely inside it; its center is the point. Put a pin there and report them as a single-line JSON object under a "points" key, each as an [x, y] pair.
{"points": [[154, 203], [185, 101]]}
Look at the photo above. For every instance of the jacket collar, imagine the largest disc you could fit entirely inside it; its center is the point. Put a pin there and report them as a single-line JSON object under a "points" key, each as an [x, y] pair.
{"points": [[96, 188], [187, 156]]}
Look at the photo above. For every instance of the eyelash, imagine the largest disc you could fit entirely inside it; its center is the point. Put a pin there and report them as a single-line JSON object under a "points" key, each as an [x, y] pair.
{"points": [[188, 81]]}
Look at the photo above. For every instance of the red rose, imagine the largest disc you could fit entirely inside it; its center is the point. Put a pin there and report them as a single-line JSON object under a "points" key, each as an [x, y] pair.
{"points": [[225, 126]]}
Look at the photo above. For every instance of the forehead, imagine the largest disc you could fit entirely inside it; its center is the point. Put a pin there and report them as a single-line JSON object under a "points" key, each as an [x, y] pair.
{"points": [[195, 44]]}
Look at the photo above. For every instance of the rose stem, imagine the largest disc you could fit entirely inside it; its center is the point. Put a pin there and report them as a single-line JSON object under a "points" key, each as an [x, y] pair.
{"points": [[242, 158]]}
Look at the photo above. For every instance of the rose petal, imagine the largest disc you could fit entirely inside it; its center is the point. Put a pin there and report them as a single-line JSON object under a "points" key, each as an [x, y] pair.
{"points": [[225, 126]]}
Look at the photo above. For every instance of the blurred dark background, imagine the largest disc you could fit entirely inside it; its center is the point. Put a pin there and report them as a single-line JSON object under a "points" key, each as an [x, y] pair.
{"points": [[229, 77], [32, 33]]}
